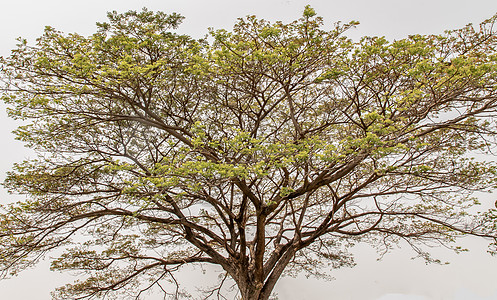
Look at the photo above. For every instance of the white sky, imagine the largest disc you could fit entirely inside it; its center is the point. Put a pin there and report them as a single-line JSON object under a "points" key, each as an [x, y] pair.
{"points": [[470, 276]]}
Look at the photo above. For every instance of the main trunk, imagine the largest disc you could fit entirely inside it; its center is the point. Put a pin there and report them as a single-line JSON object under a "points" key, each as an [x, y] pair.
{"points": [[251, 291]]}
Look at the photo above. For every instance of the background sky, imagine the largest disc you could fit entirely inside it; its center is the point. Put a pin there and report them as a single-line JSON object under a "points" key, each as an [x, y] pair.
{"points": [[470, 276]]}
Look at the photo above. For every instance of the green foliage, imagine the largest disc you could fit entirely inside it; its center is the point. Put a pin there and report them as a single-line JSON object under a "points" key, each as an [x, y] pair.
{"points": [[255, 149]]}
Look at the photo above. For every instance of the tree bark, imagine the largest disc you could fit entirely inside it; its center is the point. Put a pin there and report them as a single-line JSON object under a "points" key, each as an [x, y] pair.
{"points": [[253, 289], [252, 292]]}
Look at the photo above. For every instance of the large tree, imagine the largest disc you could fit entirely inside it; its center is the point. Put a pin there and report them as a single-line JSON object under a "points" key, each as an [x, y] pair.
{"points": [[269, 148]]}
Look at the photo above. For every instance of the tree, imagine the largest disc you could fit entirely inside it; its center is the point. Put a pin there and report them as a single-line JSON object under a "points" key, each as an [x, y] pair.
{"points": [[272, 148]]}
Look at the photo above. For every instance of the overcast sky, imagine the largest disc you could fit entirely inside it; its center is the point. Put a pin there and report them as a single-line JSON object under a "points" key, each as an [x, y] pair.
{"points": [[470, 276]]}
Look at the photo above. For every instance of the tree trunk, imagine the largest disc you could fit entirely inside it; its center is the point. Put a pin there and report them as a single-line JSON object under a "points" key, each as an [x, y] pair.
{"points": [[249, 288], [252, 292]]}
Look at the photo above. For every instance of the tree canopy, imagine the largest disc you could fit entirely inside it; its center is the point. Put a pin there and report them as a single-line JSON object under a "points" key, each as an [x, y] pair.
{"points": [[266, 150]]}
